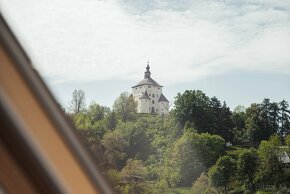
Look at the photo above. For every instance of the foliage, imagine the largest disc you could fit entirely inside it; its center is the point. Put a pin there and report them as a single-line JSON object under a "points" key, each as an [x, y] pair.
{"points": [[193, 153], [269, 169], [96, 112], [125, 106], [235, 151], [206, 115], [164, 153], [139, 146], [222, 172], [266, 119], [133, 167], [202, 185], [247, 164], [81, 121], [239, 121], [133, 170], [114, 144], [285, 118], [287, 141]]}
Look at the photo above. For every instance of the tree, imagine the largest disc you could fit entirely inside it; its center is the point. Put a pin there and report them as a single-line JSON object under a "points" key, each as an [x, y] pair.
{"points": [[193, 153], [239, 123], [194, 106], [125, 106], [222, 172], [206, 115], [114, 144], [111, 120], [287, 141], [224, 123], [139, 146], [246, 165], [258, 124], [269, 169], [202, 185], [274, 116], [133, 171], [78, 102], [284, 119], [97, 112], [81, 121]]}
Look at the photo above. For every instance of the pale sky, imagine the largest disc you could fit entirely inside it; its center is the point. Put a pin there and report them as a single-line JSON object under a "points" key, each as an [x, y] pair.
{"points": [[236, 50]]}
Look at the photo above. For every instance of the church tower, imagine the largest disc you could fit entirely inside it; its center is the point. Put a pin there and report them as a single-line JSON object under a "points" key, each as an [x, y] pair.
{"points": [[148, 95]]}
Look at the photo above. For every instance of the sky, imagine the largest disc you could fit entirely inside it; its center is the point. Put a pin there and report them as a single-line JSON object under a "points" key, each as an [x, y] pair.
{"points": [[236, 50]]}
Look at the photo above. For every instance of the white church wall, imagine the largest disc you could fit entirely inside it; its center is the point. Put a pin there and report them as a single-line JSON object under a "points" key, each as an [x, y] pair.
{"points": [[164, 107], [153, 91], [144, 106]]}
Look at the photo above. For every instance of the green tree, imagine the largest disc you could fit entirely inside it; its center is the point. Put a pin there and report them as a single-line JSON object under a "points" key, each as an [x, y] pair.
{"points": [[274, 116], [247, 166], [97, 112], [78, 101], [202, 185], [287, 141], [221, 174], [258, 124], [270, 168], [193, 153], [225, 123], [111, 120], [114, 144], [133, 173], [284, 118], [194, 107], [81, 121], [139, 145], [125, 106], [239, 123]]}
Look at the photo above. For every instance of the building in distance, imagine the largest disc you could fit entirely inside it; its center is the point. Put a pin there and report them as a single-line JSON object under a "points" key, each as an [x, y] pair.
{"points": [[148, 95]]}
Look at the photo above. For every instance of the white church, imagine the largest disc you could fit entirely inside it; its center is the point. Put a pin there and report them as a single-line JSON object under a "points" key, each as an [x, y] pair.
{"points": [[148, 95]]}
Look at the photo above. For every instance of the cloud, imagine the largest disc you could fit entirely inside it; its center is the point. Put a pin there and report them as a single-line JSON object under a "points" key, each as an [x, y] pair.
{"points": [[184, 40]]}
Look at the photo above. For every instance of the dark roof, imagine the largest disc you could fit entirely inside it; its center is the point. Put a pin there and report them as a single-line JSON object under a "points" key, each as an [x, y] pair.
{"points": [[145, 96], [162, 98], [147, 81]]}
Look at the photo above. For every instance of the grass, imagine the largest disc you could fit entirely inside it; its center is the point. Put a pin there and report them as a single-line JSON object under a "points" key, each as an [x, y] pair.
{"points": [[235, 151], [181, 190]]}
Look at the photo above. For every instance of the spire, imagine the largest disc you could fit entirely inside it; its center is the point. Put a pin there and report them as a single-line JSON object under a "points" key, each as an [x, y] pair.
{"points": [[147, 72]]}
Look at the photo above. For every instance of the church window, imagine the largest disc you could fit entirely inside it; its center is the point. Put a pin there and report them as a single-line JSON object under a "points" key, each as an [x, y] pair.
{"points": [[152, 101], [153, 95], [149, 94], [149, 86]]}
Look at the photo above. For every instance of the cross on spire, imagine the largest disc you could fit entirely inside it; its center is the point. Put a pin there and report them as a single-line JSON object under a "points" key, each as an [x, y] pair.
{"points": [[147, 72]]}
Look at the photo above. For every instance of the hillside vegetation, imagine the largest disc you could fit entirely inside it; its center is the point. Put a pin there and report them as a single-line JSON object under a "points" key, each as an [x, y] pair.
{"points": [[200, 147]]}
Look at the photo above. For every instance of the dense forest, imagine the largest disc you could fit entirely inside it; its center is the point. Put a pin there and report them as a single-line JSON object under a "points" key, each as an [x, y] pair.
{"points": [[200, 147]]}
